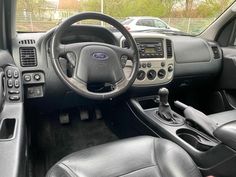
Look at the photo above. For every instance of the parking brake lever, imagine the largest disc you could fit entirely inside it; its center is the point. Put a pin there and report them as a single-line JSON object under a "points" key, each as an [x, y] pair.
{"points": [[198, 117]]}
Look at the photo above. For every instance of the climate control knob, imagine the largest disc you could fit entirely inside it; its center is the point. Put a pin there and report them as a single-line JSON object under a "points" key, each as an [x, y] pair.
{"points": [[170, 68], [151, 74], [141, 75], [161, 73]]}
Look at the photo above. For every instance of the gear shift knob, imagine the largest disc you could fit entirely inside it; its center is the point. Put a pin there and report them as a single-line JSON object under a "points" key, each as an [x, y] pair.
{"points": [[164, 93]]}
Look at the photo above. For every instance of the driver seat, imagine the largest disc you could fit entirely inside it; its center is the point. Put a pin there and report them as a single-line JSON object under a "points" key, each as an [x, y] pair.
{"points": [[134, 157]]}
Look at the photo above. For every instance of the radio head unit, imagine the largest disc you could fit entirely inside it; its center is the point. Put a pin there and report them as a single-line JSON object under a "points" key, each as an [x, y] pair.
{"points": [[150, 48]]}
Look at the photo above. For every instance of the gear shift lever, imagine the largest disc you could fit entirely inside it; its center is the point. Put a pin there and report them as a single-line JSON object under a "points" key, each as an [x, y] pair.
{"points": [[164, 93], [164, 110]]}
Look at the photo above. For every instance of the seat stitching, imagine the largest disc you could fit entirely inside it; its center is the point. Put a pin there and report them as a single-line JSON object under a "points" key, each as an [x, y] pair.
{"points": [[137, 170], [66, 168], [155, 156]]}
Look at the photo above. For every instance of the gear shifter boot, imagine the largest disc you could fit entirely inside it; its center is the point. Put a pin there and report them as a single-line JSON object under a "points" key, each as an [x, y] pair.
{"points": [[164, 110]]}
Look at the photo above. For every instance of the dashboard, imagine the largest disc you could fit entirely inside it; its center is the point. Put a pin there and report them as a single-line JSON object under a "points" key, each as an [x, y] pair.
{"points": [[163, 58]]}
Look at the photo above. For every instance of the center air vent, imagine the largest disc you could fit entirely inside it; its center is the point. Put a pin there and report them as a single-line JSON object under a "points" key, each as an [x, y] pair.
{"points": [[169, 48], [216, 52], [28, 41], [28, 57]]}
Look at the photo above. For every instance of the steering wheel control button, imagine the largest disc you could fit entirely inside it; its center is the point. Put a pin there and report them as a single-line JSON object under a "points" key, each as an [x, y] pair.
{"points": [[37, 77], [10, 83], [14, 98], [161, 73], [17, 83], [123, 60], [151, 75], [141, 75], [9, 73], [170, 68], [27, 78], [16, 74]]}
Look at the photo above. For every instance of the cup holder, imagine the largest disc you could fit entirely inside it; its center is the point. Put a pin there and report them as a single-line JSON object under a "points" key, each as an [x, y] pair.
{"points": [[196, 140], [7, 129]]}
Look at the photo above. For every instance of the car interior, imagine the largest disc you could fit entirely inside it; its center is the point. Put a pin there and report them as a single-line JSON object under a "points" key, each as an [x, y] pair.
{"points": [[85, 101]]}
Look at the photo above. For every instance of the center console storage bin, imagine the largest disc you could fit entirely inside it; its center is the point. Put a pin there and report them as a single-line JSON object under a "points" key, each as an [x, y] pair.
{"points": [[148, 102]]}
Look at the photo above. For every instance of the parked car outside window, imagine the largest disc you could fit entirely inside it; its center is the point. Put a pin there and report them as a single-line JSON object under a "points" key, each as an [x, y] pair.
{"points": [[146, 23]]}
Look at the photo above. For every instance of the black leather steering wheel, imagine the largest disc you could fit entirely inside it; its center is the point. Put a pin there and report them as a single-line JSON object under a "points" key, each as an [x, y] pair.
{"points": [[95, 62]]}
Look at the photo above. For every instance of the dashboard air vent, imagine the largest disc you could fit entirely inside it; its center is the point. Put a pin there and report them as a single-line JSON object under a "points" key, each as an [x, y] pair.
{"points": [[28, 57], [169, 48], [216, 52], [28, 41]]}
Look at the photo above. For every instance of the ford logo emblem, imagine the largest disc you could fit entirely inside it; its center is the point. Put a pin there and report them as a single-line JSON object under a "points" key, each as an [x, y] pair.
{"points": [[100, 56]]}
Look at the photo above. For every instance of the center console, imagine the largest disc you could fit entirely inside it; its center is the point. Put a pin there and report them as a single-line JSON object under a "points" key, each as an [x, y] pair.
{"points": [[156, 59], [212, 154]]}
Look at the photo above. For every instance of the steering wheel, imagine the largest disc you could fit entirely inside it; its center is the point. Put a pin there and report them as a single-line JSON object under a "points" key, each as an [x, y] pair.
{"points": [[95, 62]]}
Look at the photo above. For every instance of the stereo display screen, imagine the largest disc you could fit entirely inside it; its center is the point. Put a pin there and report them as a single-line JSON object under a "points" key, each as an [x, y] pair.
{"points": [[150, 50]]}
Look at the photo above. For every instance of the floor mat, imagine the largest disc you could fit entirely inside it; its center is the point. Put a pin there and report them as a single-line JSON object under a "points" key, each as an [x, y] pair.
{"points": [[52, 141]]}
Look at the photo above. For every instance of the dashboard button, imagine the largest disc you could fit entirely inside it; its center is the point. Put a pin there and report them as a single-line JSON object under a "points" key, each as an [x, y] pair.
{"points": [[144, 65], [13, 92], [141, 75], [37, 77], [27, 78], [163, 64], [17, 83], [10, 83], [9, 73], [170, 68], [16, 74], [149, 65]]}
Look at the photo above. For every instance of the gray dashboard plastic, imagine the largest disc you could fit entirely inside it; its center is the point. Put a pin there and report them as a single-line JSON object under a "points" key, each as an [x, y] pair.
{"points": [[194, 56], [183, 69], [191, 50]]}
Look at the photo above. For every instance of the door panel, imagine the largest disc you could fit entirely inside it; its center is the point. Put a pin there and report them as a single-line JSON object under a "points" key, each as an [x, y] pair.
{"points": [[227, 80]]}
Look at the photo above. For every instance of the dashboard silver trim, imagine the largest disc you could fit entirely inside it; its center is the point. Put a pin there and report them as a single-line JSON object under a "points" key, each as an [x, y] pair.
{"points": [[156, 63]]}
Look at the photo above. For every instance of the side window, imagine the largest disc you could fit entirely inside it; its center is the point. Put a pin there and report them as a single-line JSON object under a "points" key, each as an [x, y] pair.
{"points": [[159, 24], [145, 22], [227, 35]]}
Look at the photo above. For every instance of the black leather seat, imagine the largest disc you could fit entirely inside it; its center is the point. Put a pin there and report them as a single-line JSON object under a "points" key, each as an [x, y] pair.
{"points": [[135, 157]]}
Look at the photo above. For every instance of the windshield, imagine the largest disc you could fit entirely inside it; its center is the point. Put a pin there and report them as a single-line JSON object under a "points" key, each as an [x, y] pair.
{"points": [[188, 16]]}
